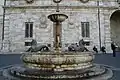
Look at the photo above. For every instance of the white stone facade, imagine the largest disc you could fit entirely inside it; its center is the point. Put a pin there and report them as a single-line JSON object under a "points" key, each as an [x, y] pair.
{"points": [[18, 12]]}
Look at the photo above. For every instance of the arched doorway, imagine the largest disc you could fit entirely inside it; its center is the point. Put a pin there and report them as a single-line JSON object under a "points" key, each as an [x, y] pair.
{"points": [[115, 27]]}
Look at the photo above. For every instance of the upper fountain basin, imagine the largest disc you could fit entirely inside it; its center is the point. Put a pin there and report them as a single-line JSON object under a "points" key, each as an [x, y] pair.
{"points": [[57, 17]]}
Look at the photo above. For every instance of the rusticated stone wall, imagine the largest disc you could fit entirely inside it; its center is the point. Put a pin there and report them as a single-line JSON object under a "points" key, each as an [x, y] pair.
{"points": [[1, 21], [18, 12]]}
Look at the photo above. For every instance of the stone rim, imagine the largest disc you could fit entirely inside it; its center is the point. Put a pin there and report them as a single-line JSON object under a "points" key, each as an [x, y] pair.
{"points": [[105, 75], [57, 17]]}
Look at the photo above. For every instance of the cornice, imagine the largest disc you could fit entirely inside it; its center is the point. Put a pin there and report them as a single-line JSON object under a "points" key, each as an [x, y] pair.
{"points": [[61, 7]]}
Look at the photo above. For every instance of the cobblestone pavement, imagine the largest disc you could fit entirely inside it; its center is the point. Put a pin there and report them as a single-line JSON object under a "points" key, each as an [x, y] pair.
{"points": [[104, 59]]}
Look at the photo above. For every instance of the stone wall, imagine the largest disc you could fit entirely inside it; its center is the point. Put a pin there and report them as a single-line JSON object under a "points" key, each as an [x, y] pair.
{"points": [[1, 21], [19, 12]]}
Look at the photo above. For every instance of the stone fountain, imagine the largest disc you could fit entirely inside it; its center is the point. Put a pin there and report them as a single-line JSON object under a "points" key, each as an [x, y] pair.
{"points": [[57, 65]]}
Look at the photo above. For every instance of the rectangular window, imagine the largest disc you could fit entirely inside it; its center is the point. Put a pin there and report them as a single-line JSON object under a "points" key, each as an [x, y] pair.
{"points": [[28, 29], [87, 43], [27, 43], [85, 29]]}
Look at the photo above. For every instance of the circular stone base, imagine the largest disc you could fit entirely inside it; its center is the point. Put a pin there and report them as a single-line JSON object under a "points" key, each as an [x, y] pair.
{"points": [[58, 61], [97, 72]]}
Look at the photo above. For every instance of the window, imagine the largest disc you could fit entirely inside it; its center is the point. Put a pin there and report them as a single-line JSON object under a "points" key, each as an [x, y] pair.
{"points": [[27, 43], [85, 29], [28, 29], [87, 43], [118, 1]]}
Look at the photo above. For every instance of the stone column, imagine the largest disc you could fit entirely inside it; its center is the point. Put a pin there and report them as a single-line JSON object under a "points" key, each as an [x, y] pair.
{"points": [[107, 34], [57, 35], [6, 41]]}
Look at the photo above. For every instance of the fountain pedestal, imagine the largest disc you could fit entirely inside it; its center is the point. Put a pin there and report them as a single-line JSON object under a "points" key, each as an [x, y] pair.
{"points": [[57, 20]]}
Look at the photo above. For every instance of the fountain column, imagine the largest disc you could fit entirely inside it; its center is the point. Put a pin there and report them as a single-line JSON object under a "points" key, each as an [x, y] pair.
{"points": [[57, 20], [57, 35]]}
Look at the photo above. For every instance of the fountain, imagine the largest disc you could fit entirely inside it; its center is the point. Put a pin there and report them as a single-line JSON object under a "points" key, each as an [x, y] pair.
{"points": [[54, 65]]}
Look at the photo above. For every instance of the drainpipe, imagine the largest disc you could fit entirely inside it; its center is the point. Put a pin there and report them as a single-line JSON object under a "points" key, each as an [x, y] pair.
{"points": [[98, 5], [3, 24]]}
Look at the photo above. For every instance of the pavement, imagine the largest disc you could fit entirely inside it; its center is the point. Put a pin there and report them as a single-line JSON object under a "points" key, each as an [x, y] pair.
{"points": [[104, 59], [111, 62]]}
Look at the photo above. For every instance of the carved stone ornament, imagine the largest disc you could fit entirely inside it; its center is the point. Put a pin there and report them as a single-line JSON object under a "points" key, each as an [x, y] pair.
{"points": [[84, 1], [71, 22], [43, 25], [29, 1], [43, 19]]}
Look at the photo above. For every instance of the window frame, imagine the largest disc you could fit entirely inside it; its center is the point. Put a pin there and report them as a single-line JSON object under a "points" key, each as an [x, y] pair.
{"points": [[27, 43], [28, 29], [85, 29]]}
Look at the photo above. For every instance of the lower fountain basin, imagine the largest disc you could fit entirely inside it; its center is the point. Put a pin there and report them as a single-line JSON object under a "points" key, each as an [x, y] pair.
{"points": [[53, 61], [20, 72], [54, 66]]}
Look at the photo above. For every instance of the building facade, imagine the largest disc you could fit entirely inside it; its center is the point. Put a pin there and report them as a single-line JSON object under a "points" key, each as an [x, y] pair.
{"points": [[1, 20], [95, 21]]}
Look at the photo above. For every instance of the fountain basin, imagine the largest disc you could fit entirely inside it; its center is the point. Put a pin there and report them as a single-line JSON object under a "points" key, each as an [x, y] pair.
{"points": [[53, 66], [52, 61], [20, 72], [57, 17]]}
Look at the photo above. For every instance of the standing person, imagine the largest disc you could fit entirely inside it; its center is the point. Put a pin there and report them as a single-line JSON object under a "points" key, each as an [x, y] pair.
{"points": [[95, 49], [103, 49], [113, 47]]}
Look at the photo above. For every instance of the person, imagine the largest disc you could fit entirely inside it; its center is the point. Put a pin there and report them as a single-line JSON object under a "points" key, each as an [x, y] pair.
{"points": [[113, 47], [95, 49], [103, 49]]}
